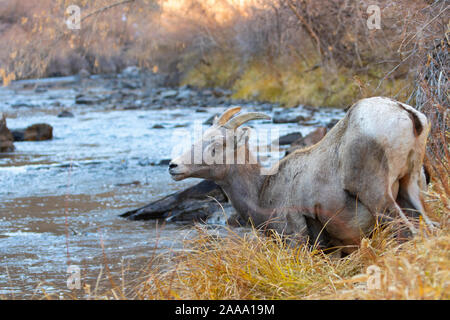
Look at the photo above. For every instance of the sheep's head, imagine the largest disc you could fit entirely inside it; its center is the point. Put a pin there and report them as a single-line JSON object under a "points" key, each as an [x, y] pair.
{"points": [[223, 144]]}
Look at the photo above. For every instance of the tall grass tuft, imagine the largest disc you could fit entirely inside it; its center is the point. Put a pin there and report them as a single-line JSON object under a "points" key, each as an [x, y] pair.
{"points": [[253, 266]]}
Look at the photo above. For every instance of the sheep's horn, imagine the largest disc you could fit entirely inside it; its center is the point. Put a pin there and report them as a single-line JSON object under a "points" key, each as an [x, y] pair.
{"points": [[227, 115], [243, 118]]}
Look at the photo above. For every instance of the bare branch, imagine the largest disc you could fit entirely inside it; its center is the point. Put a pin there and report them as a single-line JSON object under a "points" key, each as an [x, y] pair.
{"points": [[105, 9]]}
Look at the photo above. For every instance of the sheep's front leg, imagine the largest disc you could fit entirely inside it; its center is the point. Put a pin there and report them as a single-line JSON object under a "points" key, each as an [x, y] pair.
{"points": [[295, 229]]}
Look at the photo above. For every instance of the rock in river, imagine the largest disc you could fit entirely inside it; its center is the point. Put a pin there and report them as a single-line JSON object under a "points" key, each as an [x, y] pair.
{"points": [[6, 137], [89, 100], [184, 94], [65, 114], [291, 115], [169, 94], [289, 138], [35, 132], [308, 140]]}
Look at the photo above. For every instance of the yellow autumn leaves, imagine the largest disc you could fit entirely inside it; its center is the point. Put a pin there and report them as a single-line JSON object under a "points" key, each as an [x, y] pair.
{"points": [[7, 77]]}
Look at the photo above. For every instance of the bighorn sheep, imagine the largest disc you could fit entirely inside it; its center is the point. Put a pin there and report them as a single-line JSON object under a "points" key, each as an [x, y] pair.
{"points": [[369, 164]]}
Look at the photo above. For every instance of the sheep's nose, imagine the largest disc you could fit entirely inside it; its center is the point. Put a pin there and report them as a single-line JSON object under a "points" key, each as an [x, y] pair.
{"points": [[172, 165]]}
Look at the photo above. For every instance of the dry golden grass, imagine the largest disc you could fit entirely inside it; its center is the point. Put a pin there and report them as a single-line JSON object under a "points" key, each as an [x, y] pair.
{"points": [[256, 267], [292, 81], [259, 268]]}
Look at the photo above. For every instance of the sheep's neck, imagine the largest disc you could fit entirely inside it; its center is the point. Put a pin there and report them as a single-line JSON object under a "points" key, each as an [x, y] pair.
{"points": [[242, 186]]}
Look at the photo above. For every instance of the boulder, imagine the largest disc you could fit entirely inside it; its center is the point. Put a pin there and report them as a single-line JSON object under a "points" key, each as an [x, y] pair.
{"points": [[35, 132], [309, 123], [184, 94], [291, 115], [308, 140], [219, 92], [288, 118], [289, 138], [332, 123], [132, 85], [18, 135], [6, 137], [169, 94], [65, 114], [89, 100]]}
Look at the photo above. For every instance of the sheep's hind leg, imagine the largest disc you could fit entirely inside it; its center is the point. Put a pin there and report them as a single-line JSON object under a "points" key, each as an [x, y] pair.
{"points": [[367, 177], [409, 200], [379, 199]]}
